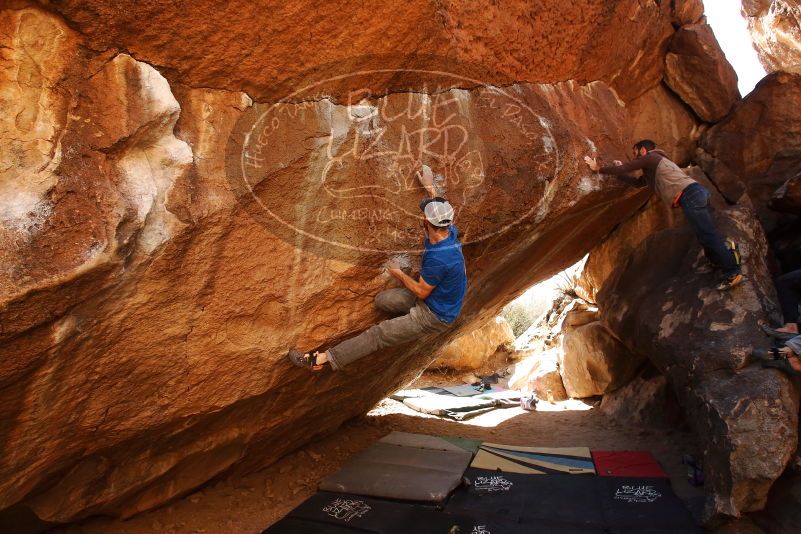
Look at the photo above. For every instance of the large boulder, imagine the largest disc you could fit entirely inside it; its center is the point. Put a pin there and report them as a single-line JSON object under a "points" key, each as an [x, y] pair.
{"points": [[205, 45], [775, 27], [787, 198], [761, 131], [782, 515], [593, 362], [172, 221], [538, 372], [473, 349], [660, 111], [645, 401], [697, 70], [661, 302], [687, 11]]}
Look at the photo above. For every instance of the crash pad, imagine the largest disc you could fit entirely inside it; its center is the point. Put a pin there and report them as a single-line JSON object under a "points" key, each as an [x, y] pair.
{"points": [[587, 502], [558, 500], [420, 441], [330, 513], [639, 502], [404, 394], [291, 525], [470, 390], [404, 472], [362, 514], [627, 464], [467, 444], [462, 408], [534, 460]]}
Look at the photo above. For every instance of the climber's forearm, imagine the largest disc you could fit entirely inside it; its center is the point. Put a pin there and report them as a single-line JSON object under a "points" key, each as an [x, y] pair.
{"points": [[419, 287]]}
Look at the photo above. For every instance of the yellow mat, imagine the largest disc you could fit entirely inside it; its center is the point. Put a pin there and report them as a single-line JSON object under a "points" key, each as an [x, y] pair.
{"points": [[534, 460]]}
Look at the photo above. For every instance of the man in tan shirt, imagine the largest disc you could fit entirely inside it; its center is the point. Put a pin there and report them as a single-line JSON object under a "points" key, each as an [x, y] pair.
{"points": [[676, 189]]}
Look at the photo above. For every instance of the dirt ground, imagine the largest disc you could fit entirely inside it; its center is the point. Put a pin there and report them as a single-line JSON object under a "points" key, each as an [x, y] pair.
{"points": [[249, 504]]}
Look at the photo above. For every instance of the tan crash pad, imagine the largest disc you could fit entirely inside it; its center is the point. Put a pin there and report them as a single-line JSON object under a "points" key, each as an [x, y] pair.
{"points": [[534, 460]]}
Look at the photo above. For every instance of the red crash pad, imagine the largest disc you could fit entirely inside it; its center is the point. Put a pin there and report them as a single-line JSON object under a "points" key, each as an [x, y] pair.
{"points": [[627, 464]]}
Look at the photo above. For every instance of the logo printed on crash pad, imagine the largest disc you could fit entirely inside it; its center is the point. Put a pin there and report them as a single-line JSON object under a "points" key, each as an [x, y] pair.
{"points": [[637, 494], [480, 529], [494, 483], [347, 509]]}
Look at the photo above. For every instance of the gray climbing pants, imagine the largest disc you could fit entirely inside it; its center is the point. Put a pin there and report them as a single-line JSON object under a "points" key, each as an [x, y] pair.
{"points": [[415, 321], [794, 345]]}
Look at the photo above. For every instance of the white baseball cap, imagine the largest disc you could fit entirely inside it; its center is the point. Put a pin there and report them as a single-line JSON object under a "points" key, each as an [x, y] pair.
{"points": [[438, 211]]}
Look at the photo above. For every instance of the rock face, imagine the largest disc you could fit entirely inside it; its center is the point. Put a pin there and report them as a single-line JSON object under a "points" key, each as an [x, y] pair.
{"points": [[660, 111], [758, 146], [660, 302], [547, 42], [594, 362], [172, 220], [472, 349], [788, 197], [183, 199], [538, 372], [643, 401], [783, 513], [775, 27], [698, 72], [687, 11]]}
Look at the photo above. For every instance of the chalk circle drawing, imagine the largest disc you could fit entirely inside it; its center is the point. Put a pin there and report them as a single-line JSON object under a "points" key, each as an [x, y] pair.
{"points": [[338, 175]]}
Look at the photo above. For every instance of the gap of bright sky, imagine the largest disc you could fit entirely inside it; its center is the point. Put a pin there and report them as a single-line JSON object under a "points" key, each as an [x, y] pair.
{"points": [[731, 30]]}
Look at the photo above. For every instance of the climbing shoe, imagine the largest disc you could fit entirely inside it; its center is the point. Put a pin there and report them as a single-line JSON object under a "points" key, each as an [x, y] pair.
{"points": [[766, 355], [729, 282], [734, 249], [307, 361]]}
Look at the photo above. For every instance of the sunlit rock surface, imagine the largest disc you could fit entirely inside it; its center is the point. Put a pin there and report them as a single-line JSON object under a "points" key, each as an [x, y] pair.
{"points": [[775, 27], [661, 302], [189, 189], [170, 229], [473, 349]]}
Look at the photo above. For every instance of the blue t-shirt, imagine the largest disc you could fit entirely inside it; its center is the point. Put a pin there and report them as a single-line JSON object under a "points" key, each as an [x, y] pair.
{"points": [[443, 267]]}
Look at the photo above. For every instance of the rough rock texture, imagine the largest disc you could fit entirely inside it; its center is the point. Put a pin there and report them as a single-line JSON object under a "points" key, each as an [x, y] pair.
{"points": [[593, 362], [775, 27], [150, 291], [538, 373], [782, 515], [738, 152], [661, 302], [605, 259], [660, 112], [756, 149], [472, 349], [644, 401], [787, 198], [687, 11], [251, 46], [697, 70]]}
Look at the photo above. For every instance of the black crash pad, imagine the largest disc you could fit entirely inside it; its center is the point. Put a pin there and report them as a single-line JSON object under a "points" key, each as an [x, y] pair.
{"points": [[639, 503], [335, 513], [531, 499], [582, 502]]}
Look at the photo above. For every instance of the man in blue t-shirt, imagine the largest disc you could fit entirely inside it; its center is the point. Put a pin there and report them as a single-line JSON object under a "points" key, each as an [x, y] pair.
{"points": [[427, 305]]}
